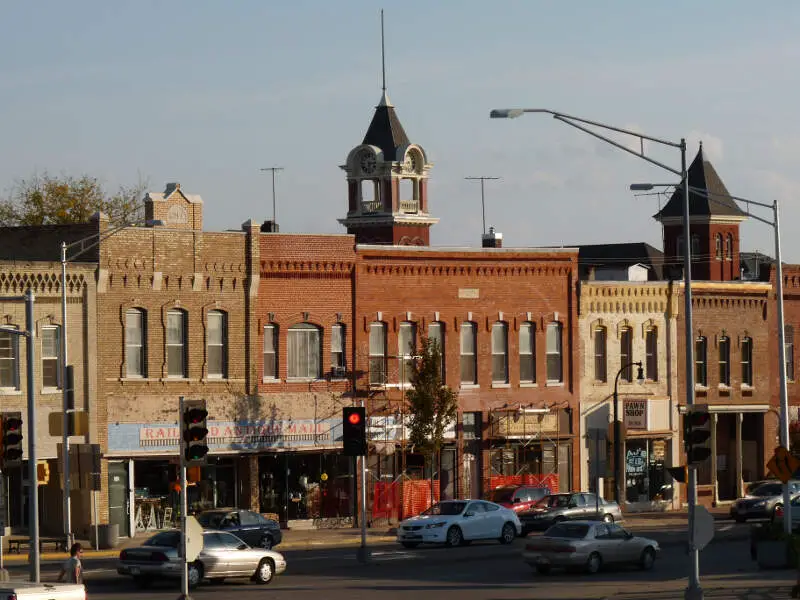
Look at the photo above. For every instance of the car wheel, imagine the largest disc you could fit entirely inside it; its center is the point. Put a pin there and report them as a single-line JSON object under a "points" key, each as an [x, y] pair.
{"points": [[508, 533], [648, 559], [593, 563], [265, 571], [195, 574], [775, 511], [608, 518], [265, 543], [454, 537], [543, 569], [410, 544]]}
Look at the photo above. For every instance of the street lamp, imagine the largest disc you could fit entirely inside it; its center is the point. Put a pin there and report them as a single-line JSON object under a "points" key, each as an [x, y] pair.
{"points": [[83, 245], [618, 445], [693, 591], [775, 223]]}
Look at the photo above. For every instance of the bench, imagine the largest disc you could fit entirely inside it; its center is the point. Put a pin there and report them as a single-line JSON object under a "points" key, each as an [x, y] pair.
{"points": [[15, 543]]}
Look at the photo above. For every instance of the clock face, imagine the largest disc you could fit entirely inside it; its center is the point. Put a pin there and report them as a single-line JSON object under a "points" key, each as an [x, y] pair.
{"points": [[412, 162], [367, 163]]}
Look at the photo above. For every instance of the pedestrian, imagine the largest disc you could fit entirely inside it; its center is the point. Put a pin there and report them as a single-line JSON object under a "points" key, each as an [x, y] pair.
{"points": [[72, 568]]}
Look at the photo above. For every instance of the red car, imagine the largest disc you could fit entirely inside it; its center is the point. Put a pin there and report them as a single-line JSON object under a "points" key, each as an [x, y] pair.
{"points": [[518, 498]]}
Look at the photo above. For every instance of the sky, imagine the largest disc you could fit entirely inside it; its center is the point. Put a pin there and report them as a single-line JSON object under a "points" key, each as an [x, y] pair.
{"points": [[207, 93]]}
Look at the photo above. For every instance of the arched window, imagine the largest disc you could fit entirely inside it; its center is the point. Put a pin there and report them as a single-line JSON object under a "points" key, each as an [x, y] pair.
{"points": [[135, 343], [724, 348], [718, 246], [176, 343], [500, 352], [469, 357], [729, 247], [600, 354], [407, 349], [217, 344], [527, 352], [377, 353], [701, 371], [626, 353], [747, 361], [436, 334], [270, 351], [338, 346], [9, 360], [304, 348], [651, 353], [554, 355]]}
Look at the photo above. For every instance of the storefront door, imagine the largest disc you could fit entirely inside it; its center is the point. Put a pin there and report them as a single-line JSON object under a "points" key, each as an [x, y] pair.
{"points": [[118, 509]]}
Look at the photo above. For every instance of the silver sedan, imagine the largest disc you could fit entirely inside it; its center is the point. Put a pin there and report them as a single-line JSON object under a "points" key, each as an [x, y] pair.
{"points": [[223, 555], [588, 545]]}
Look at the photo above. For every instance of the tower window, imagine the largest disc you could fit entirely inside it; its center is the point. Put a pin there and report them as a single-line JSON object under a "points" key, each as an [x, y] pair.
{"points": [[718, 246], [409, 195], [729, 247], [370, 196]]}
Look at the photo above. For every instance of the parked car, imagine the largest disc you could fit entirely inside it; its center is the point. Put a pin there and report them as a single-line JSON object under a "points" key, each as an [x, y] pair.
{"points": [[223, 555], [459, 522], [569, 507], [518, 498], [254, 529], [24, 590], [589, 545], [762, 501], [777, 514]]}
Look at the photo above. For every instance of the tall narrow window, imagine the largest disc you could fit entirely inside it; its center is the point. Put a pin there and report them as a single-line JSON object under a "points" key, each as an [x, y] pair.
{"points": [[701, 372], [407, 348], [217, 341], [436, 334], [527, 352], [176, 343], [600, 354], [51, 352], [626, 353], [338, 345], [695, 247], [135, 343], [724, 361], [729, 247], [747, 361], [377, 353], [500, 353], [554, 354], [304, 349], [9, 360], [788, 345], [651, 353], [270, 351], [718, 246], [469, 358]]}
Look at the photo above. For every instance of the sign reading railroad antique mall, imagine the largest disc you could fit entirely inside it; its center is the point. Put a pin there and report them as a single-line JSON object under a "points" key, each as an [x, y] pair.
{"points": [[637, 413], [226, 435]]}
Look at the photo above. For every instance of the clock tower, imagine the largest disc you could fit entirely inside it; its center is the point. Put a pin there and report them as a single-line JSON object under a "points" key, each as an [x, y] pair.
{"points": [[387, 183]]}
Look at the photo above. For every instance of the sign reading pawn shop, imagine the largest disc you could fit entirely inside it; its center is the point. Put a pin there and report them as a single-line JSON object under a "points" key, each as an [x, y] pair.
{"points": [[636, 414]]}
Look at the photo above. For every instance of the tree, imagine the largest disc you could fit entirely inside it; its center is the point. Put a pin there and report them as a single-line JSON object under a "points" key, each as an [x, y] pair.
{"points": [[49, 200], [432, 406]]}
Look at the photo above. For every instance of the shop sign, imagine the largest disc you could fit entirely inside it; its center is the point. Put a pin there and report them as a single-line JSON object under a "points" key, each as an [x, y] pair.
{"points": [[226, 435], [637, 414], [635, 461], [516, 425], [394, 429]]}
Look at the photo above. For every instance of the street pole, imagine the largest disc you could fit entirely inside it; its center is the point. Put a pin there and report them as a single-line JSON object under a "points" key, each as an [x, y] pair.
{"points": [[617, 445], [184, 508], [693, 590], [33, 480], [65, 398], [784, 414]]}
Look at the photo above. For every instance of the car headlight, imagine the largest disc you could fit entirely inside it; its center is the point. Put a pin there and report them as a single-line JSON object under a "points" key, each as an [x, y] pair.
{"points": [[434, 525]]}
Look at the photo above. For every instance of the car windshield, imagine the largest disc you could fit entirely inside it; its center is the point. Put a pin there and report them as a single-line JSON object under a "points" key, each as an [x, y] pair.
{"points": [[553, 501], [446, 508], [211, 520], [502, 495], [165, 538], [769, 489], [573, 531]]}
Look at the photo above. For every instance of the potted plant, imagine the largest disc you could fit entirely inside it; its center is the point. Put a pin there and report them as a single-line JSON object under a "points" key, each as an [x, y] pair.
{"points": [[772, 548]]}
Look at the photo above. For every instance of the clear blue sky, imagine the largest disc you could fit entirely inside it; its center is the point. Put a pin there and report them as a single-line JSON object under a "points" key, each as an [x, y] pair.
{"points": [[207, 92]]}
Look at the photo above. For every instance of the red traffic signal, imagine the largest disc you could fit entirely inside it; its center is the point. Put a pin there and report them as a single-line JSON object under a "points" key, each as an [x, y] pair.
{"points": [[354, 418], [12, 438], [193, 416], [195, 432], [354, 431]]}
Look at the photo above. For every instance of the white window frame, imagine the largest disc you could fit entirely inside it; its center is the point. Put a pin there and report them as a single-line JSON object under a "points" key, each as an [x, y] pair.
{"points": [[527, 351], [377, 353], [468, 333], [55, 357], [701, 361], [270, 352], [312, 369], [134, 348], [747, 360], [436, 331], [406, 350], [724, 355], [600, 354], [181, 316], [12, 360], [500, 352], [220, 344], [338, 351], [555, 353]]}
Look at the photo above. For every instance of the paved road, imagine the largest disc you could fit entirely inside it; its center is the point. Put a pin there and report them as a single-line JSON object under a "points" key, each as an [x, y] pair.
{"points": [[482, 571]]}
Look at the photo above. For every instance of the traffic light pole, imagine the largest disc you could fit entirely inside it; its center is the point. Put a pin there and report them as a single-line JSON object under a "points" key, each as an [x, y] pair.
{"points": [[184, 508], [33, 480]]}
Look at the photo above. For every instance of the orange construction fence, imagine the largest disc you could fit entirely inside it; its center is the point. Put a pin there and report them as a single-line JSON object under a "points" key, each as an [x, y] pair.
{"points": [[549, 480], [398, 500]]}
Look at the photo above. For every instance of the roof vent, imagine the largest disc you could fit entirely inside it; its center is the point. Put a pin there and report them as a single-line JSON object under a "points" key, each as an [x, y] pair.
{"points": [[492, 239]]}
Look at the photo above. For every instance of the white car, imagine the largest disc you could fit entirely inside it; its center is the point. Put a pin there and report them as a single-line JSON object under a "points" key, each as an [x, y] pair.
{"points": [[459, 522]]}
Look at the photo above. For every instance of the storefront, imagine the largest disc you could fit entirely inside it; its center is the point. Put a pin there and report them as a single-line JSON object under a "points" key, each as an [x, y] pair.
{"points": [[648, 448], [291, 468]]}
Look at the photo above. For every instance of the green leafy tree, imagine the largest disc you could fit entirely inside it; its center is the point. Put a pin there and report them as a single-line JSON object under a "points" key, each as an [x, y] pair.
{"points": [[48, 200], [432, 406]]}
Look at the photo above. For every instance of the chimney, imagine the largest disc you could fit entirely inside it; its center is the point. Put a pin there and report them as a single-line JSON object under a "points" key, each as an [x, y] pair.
{"points": [[492, 239], [269, 227]]}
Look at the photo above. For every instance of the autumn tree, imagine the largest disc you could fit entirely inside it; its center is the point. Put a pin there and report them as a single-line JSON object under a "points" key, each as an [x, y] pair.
{"points": [[48, 200], [432, 405]]}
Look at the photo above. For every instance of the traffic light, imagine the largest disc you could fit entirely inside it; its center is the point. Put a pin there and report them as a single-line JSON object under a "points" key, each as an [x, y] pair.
{"points": [[12, 439], [354, 430], [70, 389], [195, 432], [697, 435]]}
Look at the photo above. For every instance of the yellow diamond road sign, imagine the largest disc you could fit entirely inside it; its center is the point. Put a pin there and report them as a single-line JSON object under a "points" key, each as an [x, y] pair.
{"points": [[783, 464]]}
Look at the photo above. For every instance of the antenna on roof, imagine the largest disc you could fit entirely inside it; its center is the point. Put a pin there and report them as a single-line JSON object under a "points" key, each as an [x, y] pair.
{"points": [[273, 169], [384, 97], [483, 204]]}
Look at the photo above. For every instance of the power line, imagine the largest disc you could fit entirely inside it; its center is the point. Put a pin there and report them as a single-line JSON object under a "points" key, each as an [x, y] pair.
{"points": [[483, 203]]}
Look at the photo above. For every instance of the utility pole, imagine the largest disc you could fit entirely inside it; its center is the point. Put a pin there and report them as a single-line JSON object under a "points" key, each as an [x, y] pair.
{"points": [[483, 202], [273, 169]]}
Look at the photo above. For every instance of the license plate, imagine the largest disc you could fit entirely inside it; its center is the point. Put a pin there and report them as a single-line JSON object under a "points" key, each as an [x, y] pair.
{"points": [[134, 570]]}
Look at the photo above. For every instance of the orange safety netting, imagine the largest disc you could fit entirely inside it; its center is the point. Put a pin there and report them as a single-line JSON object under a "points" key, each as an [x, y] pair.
{"points": [[401, 499], [550, 481]]}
